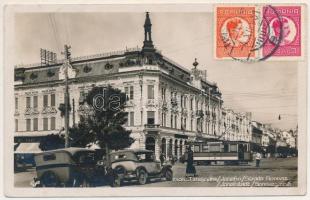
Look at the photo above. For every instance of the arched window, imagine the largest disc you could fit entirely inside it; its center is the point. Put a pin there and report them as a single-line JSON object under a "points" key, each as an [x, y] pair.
{"points": [[163, 146]]}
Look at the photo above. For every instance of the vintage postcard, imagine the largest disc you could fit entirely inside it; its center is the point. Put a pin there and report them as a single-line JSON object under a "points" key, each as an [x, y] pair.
{"points": [[160, 99]]}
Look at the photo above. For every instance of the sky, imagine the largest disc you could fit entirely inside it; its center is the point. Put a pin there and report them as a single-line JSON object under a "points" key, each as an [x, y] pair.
{"points": [[267, 89]]}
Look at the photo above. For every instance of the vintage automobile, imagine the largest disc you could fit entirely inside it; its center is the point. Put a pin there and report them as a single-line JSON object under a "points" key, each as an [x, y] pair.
{"points": [[137, 164], [68, 167]]}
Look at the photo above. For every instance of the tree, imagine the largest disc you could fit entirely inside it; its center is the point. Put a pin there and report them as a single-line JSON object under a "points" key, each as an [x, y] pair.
{"points": [[105, 123], [81, 135]]}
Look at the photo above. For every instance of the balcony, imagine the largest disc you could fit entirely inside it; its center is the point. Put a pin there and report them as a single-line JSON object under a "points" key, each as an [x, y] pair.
{"points": [[164, 105], [31, 111], [151, 125], [151, 103], [49, 109], [184, 111], [174, 102], [152, 128]]}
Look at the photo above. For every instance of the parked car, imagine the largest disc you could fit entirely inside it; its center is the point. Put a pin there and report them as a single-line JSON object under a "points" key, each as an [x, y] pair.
{"points": [[138, 165], [69, 167]]}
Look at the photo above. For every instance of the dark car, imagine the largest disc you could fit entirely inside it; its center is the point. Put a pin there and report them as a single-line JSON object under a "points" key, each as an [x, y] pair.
{"points": [[71, 167]]}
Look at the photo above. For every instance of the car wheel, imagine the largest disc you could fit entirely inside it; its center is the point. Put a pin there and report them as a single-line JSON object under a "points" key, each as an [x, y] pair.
{"points": [[49, 179], [117, 181], [142, 176], [168, 175]]}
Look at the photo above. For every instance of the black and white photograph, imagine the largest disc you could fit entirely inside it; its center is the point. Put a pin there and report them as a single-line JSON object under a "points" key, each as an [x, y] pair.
{"points": [[152, 98]]}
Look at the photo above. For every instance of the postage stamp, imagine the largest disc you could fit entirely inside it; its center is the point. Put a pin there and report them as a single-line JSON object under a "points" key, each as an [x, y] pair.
{"points": [[284, 26], [235, 32]]}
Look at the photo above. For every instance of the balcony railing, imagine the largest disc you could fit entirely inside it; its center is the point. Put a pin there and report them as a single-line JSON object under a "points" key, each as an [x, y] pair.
{"points": [[49, 109], [151, 125], [31, 111]]}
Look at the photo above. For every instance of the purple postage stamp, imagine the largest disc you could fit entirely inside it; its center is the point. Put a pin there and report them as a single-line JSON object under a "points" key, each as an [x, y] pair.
{"points": [[284, 30]]}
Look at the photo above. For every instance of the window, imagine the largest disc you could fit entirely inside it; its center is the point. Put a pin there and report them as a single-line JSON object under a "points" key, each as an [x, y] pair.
{"points": [[163, 94], [53, 100], [16, 103], [191, 124], [53, 123], [163, 119], [126, 123], [45, 100], [28, 100], [196, 148], [127, 92], [16, 125], [181, 101], [233, 148], [48, 157], [28, 124], [150, 91], [35, 101], [131, 93], [150, 117], [175, 122], [45, 124], [191, 104], [132, 118], [184, 123], [35, 124], [182, 127], [171, 121], [141, 117]]}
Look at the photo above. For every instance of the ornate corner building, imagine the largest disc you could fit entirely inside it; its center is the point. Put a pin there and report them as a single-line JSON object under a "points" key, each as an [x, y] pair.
{"points": [[167, 106]]}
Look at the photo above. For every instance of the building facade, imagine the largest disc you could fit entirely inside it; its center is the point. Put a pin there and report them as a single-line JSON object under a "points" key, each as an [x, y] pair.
{"points": [[167, 105], [236, 126]]}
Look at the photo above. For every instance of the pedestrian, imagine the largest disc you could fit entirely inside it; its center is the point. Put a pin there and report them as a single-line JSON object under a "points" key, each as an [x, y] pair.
{"points": [[190, 168], [162, 158], [258, 156]]}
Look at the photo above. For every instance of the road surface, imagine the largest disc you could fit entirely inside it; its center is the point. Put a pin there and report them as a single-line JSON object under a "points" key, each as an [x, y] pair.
{"points": [[272, 172]]}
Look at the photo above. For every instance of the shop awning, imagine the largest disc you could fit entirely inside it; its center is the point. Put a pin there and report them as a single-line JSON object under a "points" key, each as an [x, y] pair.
{"points": [[28, 148]]}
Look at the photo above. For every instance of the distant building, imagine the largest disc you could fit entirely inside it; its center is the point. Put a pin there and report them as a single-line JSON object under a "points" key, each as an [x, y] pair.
{"points": [[236, 126], [257, 133]]}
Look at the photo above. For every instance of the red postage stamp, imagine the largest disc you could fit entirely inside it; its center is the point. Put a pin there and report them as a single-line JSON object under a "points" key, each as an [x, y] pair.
{"points": [[284, 30], [235, 27]]}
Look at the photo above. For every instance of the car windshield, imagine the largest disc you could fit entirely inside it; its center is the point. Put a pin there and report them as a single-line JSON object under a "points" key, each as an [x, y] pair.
{"points": [[119, 156], [145, 156]]}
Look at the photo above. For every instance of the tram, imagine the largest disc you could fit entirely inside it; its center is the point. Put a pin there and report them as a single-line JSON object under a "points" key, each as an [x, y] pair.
{"points": [[224, 152]]}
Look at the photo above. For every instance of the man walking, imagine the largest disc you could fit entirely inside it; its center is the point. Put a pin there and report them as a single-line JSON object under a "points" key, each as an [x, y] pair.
{"points": [[258, 156]]}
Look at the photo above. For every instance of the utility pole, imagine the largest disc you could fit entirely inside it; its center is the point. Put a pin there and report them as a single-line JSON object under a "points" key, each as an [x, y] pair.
{"points": [[67, 62]]}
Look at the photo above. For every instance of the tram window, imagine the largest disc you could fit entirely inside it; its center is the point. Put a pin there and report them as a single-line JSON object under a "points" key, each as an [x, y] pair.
{"points": [[196, 148], [205, 148], [226, 148], [233, 148], [214, 148]]}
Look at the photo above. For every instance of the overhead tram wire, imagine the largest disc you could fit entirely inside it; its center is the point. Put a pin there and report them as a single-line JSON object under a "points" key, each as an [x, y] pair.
{"points": [[55, 32]]}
